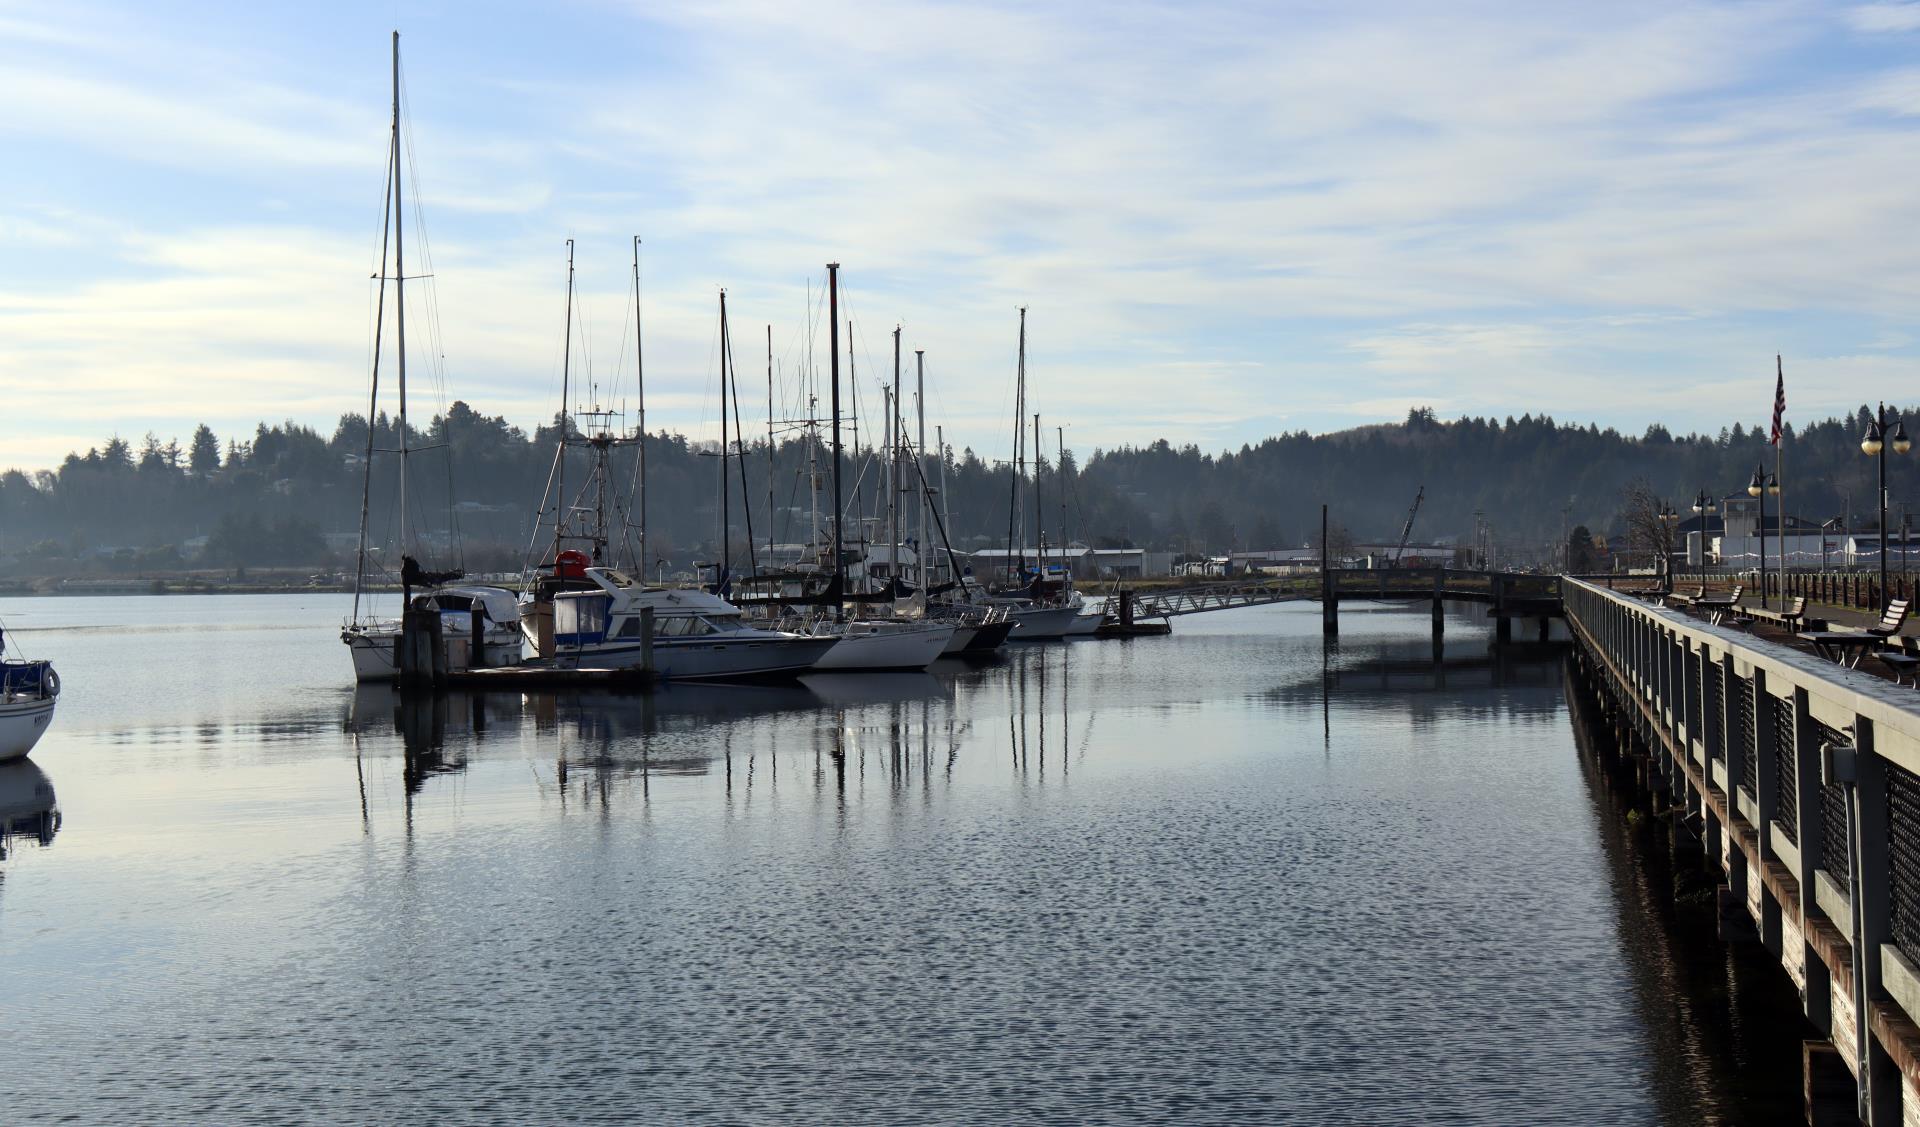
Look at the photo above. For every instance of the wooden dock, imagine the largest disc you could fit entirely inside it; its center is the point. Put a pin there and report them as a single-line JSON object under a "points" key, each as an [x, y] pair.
{"points": [[532, 676]]}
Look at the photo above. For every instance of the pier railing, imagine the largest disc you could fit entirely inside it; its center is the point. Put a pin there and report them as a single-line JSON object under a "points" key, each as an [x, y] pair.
{"points": [[1804, 779], [1857, 589]]}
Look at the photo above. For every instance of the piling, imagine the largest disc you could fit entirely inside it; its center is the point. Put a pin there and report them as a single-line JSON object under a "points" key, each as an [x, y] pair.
{"points": [[420, 657], [1329, 605]]}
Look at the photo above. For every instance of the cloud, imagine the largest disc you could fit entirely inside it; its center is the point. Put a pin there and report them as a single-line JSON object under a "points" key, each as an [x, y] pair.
{"points": [[1223, 220], [1884, 17]]}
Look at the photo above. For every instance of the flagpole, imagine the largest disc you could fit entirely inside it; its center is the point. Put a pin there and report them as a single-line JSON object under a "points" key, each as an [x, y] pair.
{"points": [[1779, 454]]}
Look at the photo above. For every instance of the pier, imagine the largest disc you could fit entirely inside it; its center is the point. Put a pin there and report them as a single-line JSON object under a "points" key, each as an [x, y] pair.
{"points": [[1508, 595], [1800, 781]]}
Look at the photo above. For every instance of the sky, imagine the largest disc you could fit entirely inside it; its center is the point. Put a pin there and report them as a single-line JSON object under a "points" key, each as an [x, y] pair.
{"points": [[1226, 220]]}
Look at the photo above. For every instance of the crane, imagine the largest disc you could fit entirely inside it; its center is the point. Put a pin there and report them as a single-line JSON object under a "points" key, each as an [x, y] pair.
{"points": [[1406, 529]]}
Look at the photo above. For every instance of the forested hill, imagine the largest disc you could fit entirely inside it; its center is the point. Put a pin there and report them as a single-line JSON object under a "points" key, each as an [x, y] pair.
{"points": [[275, 496]]}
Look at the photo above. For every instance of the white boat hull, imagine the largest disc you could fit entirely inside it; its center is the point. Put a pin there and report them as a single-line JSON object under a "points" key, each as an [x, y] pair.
{"points": [[1084, 625], [22, 723], [705, 659], [373, 653], [1042, 624], [890, 647]]}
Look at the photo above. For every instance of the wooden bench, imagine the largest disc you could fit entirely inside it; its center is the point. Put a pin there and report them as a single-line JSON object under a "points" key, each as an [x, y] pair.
{"points": [[1793, 616], [1687, 600]]}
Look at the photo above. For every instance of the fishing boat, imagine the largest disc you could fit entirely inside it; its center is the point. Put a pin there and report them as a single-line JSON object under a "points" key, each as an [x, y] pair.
{"points": [[593, 617], [28, 692], [480, 622]]}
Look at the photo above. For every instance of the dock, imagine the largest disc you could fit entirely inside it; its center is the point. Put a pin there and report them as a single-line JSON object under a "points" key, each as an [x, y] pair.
{"points": [[542, 676], [1797, 782]]}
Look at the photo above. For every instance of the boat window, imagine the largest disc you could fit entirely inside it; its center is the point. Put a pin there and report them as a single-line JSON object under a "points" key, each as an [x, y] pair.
{"points": [[722, 624], [629, 629]]}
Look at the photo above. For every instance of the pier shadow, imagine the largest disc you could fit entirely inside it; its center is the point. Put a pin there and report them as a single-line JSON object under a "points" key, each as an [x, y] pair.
{"points": [[1721, 1020]]}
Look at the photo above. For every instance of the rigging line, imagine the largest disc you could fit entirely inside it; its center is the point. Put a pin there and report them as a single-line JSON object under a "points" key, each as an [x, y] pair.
{"points": [[746, 500]]}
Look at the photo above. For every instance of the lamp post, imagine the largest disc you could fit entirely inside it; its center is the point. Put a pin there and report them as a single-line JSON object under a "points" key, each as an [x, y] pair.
{"points": [[1704, 506], [1764, 483], [1874, 445], [1668, 517]]}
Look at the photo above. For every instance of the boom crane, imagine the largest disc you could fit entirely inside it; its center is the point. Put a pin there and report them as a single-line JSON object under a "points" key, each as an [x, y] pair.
{"points": [[1406, 530]]}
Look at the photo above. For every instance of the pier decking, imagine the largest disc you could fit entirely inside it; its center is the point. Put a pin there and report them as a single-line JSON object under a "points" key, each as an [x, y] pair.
{"points": [[1803, 779]]}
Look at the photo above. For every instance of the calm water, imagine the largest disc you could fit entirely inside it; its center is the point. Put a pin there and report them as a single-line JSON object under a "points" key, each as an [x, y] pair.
{"points": [[1218, 877]]}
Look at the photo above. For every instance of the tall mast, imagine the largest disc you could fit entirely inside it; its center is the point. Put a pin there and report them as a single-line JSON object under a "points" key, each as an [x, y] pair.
{"points": [[1039, 514], [893, 469], [833, 345], [560, 474], [1014, 516], [920, 458], [946, 509], [1060, 474], [726, 559], [640, 381], [373, 396], [770, 520], [399, 292]]}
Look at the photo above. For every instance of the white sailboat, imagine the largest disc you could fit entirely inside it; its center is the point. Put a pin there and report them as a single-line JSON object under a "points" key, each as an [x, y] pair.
{"points": [[480, 621], [28, 692]]}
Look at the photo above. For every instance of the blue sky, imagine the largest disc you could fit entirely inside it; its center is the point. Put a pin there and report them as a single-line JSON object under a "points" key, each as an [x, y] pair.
{"points": [[1226, 219]]}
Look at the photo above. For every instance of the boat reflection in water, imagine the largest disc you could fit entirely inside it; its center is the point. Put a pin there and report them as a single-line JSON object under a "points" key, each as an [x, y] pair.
{"points": [[28, 812]]}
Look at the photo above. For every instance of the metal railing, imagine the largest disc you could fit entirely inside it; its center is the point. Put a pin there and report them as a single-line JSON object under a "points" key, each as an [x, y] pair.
{"points": [[1805, 777]]}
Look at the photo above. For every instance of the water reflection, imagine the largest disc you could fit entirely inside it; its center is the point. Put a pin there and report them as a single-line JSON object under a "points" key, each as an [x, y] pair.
{"points": [[1722, 1021], [28, 812]]}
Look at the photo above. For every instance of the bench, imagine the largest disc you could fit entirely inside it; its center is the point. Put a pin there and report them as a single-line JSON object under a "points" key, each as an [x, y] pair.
{"points": [[1902, 665], [1718, 606], [1687, 600]]}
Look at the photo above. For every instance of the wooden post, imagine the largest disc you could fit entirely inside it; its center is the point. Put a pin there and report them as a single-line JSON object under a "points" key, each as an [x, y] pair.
{"points": [[1329, 603], [477, 648], [1439, 607]]}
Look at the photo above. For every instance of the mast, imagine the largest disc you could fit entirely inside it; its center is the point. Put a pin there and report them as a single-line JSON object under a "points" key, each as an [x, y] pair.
{"points": [[946, 508], [373, 397], [1039, 514], [893, 470], [920, 458], [1060, 473], [726, 559], [833, 344], [770, 448], [566, 358], [399, 292], [640, 381], [1019, 551]]}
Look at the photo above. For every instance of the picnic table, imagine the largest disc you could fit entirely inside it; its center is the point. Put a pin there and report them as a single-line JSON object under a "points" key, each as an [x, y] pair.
{"points": [[1847, 647]]}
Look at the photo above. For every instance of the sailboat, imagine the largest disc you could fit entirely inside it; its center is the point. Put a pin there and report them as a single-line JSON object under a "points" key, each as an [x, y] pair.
{"points": [[28, 692], [480, 622], [585, 613], [1037, 616]]}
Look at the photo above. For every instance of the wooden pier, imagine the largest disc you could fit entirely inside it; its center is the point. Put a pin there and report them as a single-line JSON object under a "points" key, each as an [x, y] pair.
{"points": [[1508, 595], [1801, 781]]}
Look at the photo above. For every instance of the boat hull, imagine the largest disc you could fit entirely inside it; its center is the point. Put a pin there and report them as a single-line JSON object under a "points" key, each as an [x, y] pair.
{"points": [[1084, 625], [908, 647], [706, 660], [373, 653], [990, 637], [22, 723], [1042, 624], [963, 637]]}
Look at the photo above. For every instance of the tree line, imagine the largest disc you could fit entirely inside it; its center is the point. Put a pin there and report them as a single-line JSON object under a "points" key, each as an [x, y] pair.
{"points": [[288, 494]]}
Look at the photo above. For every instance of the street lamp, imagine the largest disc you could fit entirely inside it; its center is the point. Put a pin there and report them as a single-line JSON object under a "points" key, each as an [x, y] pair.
{"points": [[1874, 445], [1668, 517], [1703, 506], [1761, 486]]}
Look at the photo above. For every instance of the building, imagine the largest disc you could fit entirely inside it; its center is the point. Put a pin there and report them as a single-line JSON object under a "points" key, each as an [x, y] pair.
{"points": [[1087, 563], [1737, 543]]}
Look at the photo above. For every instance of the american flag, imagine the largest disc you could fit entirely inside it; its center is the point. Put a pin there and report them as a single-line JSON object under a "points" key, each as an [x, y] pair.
{"points": [[1779, 399]]}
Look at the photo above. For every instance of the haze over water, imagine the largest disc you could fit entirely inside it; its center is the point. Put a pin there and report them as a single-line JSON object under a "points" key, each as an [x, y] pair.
{"points": [[1222, 876]]}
